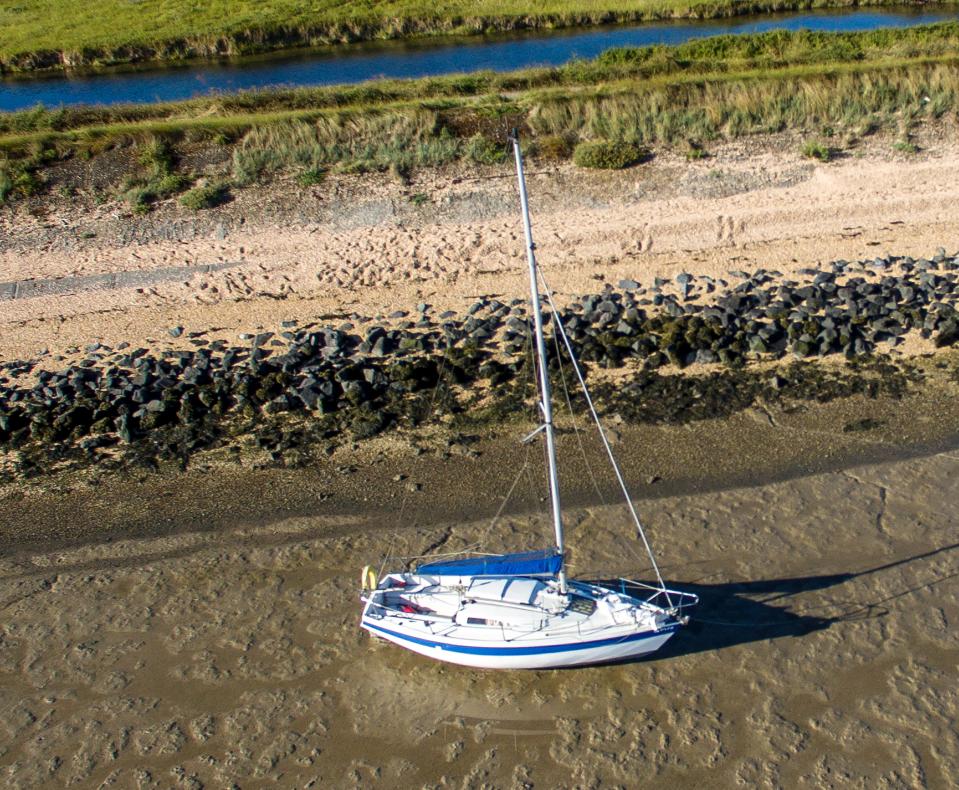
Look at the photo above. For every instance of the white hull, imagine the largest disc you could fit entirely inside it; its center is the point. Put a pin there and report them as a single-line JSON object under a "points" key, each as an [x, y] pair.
{"points": [[576, 655]]}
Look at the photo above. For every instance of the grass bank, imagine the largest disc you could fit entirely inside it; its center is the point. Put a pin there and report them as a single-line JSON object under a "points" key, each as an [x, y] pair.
{"points": [[64, 34], [832, 85]]}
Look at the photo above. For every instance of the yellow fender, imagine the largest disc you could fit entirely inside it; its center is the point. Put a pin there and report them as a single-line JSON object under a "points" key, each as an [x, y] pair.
{"points": [[368, 578]]}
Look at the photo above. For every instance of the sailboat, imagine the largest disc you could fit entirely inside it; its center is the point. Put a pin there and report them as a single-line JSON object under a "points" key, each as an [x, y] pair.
{"points": [[520, 611]]}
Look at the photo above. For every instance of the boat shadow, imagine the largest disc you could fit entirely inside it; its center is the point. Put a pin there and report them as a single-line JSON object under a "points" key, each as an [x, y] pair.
{"points": [[737, 613]]}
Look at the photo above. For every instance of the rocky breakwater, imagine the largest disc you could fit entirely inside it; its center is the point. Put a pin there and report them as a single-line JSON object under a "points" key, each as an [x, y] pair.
{"points": [[300, 392]]}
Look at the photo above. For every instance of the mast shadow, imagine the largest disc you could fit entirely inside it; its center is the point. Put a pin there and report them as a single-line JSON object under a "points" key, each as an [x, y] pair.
{"points": [[737, 613]]}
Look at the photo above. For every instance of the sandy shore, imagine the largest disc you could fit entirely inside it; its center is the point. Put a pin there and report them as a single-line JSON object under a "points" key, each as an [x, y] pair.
{"points": [[372, 246]]}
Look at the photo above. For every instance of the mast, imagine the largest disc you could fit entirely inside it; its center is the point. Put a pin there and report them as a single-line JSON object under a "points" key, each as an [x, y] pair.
{"points": [[546, 398]]}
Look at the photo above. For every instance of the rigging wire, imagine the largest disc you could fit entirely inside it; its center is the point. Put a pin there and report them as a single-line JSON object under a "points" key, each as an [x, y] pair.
{"points": [[560, 331], [602, 435], [577, 432], [502, 507], [525, 468], [574, 419], [536, 497]]}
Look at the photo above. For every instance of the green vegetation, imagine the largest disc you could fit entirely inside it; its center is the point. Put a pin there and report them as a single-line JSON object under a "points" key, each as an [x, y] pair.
{"points": [[311, 177], [6, 183], [552, 146], [20, 176], [814, 149], [41, 34], [848, 84], [695, 151], [158, 178], [484, 151], [607, 155], [206, 196], [905, 147]]}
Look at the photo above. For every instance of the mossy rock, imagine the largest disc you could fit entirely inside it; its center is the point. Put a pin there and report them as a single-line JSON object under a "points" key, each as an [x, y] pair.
{"points": [[368, 425], [608, 155], [207, 196], [553, 146]]}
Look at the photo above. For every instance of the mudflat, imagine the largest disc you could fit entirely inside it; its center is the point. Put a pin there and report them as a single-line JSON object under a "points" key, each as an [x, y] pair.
{"points": [[823, 653]]}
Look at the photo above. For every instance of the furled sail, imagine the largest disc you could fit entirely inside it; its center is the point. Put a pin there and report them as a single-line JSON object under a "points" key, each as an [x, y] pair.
{"points": [[544, 562]]}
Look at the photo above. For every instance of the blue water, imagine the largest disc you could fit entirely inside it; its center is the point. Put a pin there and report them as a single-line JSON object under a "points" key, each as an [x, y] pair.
{"points": [[358, 63]]}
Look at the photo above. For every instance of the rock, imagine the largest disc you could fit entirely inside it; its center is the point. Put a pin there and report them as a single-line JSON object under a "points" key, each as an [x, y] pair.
{"points": [[803, 348], [628, 285], [948, 333], [175, 331], [310, 395], [607, 306], [123, 428]]}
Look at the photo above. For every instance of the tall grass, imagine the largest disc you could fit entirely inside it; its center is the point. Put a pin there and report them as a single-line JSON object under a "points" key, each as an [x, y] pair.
{"points": [[351, 141], [6, 182], [737, 104], [727, 105], [41, 34]]}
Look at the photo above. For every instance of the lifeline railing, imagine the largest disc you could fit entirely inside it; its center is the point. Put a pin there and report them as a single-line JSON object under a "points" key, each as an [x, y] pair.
{"points": [[676, 599]]}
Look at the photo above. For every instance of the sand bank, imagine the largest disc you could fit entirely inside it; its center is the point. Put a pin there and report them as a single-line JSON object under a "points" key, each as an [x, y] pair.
{"points": [[372, 246]]}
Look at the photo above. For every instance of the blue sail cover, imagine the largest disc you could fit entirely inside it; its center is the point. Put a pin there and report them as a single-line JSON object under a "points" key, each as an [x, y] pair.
{"points": [[545, 562]]}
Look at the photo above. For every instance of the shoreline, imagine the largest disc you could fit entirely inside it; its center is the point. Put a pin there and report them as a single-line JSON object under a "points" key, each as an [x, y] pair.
{"points": [[276, 359], [278, 38], [362, 244]]}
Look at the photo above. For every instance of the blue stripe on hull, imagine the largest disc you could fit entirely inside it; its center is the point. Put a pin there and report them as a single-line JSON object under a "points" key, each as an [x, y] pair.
{"points": [[522, 651]]}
